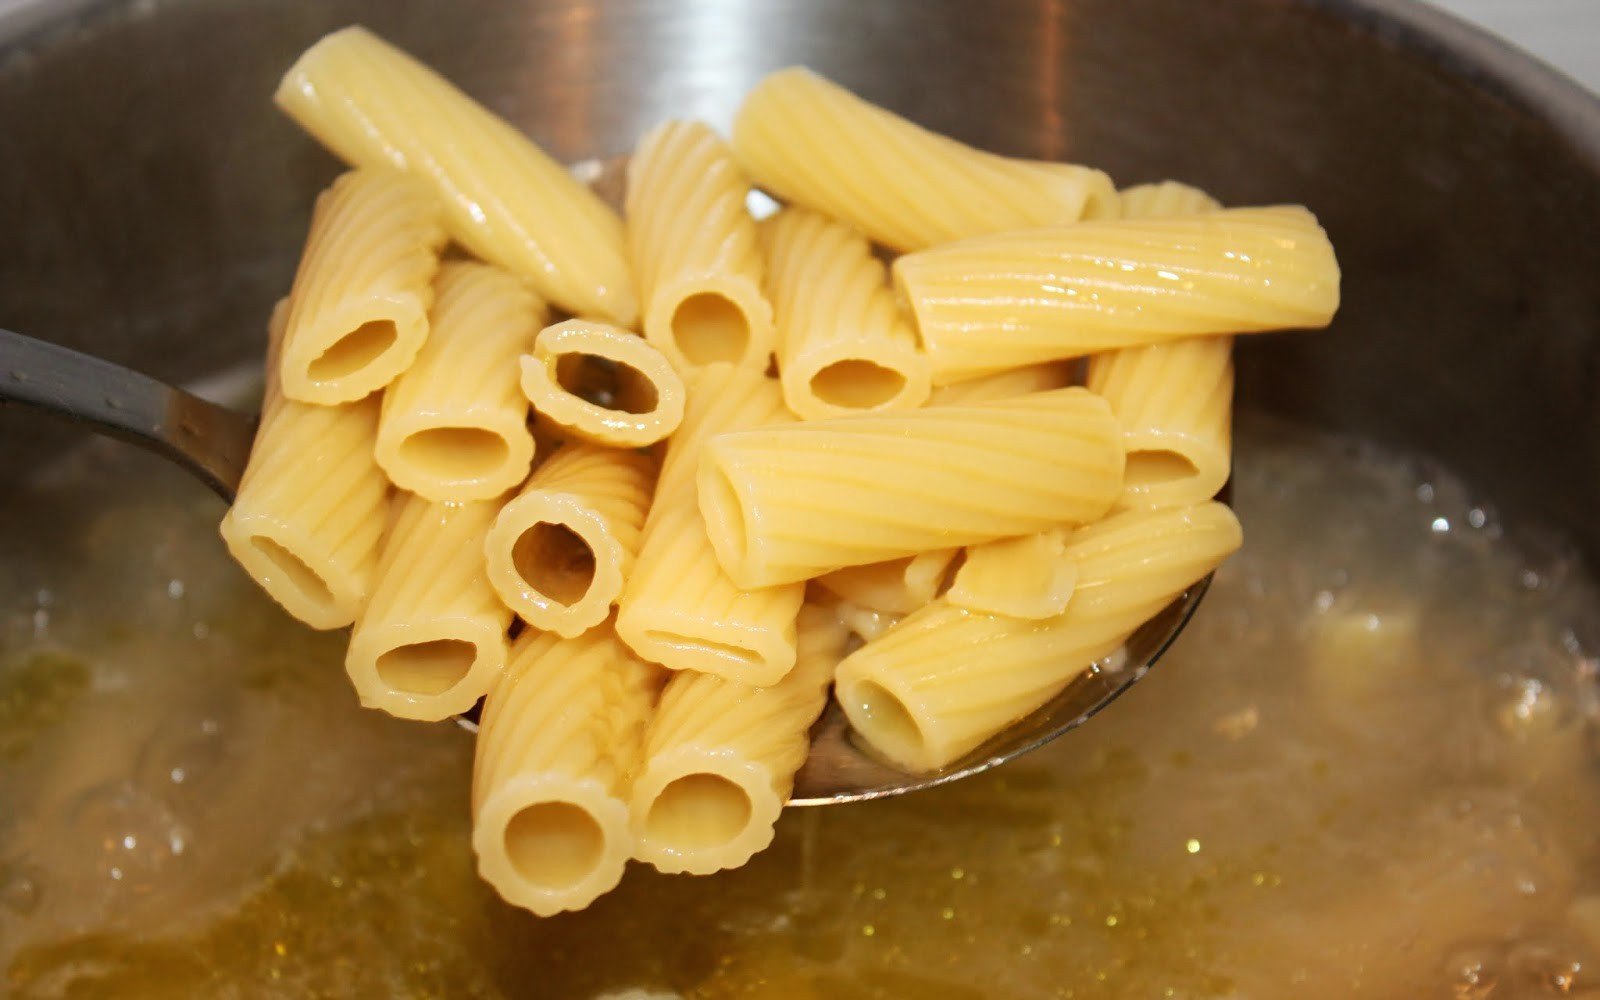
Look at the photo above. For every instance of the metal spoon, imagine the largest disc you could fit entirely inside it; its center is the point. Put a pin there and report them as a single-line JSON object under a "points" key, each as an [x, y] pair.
{"points": [[213, 442]]}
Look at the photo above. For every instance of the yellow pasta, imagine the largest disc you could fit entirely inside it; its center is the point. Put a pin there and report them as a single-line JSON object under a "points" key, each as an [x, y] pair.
{"points": [[559, 552], [898, 586], [358, 312], [503, 198], [602, 384], [814, 143], [694, 250], [1167, 198], [1004, 384], [1020, 298], [455, 425], [843, 345], [309, 513], [432, 638], [560, 737], [679, 608], [792, 502], [945, 679], [1030, 576], [720, 757]]}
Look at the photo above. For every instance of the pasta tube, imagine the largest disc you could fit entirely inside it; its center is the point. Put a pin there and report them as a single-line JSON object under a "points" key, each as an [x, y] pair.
{"points": [[358, 312], [897, 587], [679, 608], [1020, 298], [811, 142], [503, 197], [1164, 199], [602, 384], [558, 553], [432, 639], [694, 250], [455, 425], [720, 757], [309, 513], [1030, 576], [560, 737], [945, 679], [792, 502], [1004, 384], [844, 347]]}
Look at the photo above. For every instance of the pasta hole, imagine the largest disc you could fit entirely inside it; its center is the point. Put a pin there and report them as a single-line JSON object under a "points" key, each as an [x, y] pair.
{"points": [[300, 576], [891, 722], [708, 327], [698, 812], [426, 668], [554, 560], [1155, 466], [554, 845], [453, 454], [354, 351], [605, 383], [857, 383]]}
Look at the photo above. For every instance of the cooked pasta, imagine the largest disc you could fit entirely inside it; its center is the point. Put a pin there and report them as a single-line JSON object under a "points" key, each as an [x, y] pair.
{"points": [[694, 250], [309, 513], [432, 638], [1004, 384], [720, 757], [1020, 298], [679, 608], [560, 737], [1163, 199], [558, 553], [811, 142], [788, 503], [898, 586], [358, 312], [843, 345], [455, 424], [602, 384], [503, 197], [1030, 576], [945, 679]]}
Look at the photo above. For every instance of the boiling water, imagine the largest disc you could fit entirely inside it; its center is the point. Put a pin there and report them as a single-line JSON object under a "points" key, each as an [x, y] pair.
{"points": [[1367, 770]]}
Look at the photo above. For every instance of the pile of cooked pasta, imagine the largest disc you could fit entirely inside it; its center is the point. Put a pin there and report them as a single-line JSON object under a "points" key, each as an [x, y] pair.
{"points": [[750, 463]]}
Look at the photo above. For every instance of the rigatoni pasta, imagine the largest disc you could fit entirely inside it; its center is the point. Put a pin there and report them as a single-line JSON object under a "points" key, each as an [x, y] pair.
{"points": [[559, 552], [1004, 384], [1030, 576], [358, 312], [602, 384], [503, 197], [843, 345], [1163, 199], [559, 740], [898, 586], [455, 424], [997, 302], [814, 143], [788, 503], [694, 250]]}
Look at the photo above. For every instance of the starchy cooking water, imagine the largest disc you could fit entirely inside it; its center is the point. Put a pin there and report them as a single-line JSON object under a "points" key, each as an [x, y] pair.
{"points": [[1367, 770]]}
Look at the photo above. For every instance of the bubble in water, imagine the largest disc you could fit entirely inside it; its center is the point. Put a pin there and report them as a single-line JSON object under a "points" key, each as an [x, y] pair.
{"points": [[19, 889], [1544, 966], [127, 834], [183, 765]]}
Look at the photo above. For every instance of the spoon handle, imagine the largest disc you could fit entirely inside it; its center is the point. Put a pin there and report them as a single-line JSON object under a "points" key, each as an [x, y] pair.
{"points": [[211, 441]]}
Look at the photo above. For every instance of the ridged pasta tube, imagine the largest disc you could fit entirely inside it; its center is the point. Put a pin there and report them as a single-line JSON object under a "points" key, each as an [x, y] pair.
{"points": [[560, 738], [1004, 384], [720, 757], [432, 639], [812, 142], [679, 608], [309, 514], [843, 345], [790, 503], [358, 311], [503, 197], [694, 250], [1020, 298], [455, 424], [945, 679], [896, 587], [603, 384], [1030, 576], [559, 552], [1175, 399]]}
